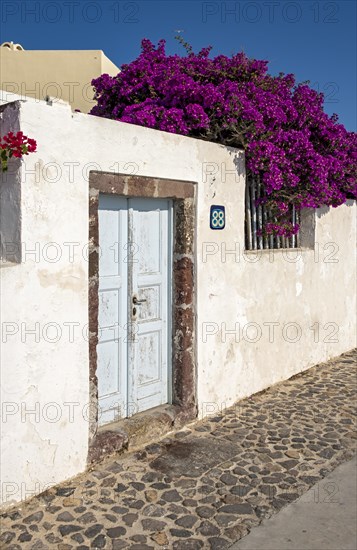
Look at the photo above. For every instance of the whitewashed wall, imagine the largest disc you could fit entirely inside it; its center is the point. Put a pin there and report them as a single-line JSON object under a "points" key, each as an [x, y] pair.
{"points": [[249, 310]]}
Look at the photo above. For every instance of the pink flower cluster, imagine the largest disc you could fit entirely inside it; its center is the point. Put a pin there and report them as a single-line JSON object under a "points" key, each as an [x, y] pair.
{"points": [[15, 145]]}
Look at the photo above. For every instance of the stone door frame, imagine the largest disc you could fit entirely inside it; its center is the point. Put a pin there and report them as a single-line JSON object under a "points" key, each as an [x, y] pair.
{"points": [[184, 395]]}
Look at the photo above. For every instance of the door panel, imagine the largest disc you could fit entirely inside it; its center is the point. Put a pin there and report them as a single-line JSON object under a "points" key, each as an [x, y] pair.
{"points": [[151, 311], [149, 223], [134, 344], [112, 353]]}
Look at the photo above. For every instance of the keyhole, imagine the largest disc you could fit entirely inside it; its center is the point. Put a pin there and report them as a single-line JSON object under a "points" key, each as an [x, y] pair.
{"points": [[134, 311]]}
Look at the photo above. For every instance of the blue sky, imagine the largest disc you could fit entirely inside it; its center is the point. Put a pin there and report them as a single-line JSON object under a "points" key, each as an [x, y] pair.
{"points": [[314, 39]]}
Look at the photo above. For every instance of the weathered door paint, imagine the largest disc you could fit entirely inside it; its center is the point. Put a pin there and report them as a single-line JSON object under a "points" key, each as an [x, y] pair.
{"points": [[133, 368]]}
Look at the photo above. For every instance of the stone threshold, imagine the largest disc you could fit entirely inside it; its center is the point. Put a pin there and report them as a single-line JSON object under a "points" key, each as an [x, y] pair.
{"points": [[137, 431]]}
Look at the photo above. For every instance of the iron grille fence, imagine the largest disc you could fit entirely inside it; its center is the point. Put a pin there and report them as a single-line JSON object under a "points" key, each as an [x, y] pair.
{"points": [[257, 216]]}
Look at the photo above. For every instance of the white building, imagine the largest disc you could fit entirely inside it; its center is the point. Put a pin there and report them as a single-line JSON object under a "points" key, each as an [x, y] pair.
{"points": [[163, 316]]}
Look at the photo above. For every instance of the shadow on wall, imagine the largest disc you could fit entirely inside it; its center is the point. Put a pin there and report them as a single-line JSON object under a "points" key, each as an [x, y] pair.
{"points": [[323, 210], [10, 213]]}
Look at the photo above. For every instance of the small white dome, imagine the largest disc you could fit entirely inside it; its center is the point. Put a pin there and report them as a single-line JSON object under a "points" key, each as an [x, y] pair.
{"points": [[12, 46]]}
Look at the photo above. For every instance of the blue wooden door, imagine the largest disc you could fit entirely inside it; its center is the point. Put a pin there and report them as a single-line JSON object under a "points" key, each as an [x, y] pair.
{"points": [[134, 352]]}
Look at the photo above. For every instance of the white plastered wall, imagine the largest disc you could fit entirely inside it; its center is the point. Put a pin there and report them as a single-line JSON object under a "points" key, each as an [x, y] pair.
{"points": [[47, 371]]}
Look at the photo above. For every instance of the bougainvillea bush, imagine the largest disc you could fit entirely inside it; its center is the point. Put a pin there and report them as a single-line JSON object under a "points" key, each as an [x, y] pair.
{"points": [[303, 156], [15, 145]]}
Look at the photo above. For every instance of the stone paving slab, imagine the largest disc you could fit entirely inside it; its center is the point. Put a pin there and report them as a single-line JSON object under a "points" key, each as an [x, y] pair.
{"points": [[207, 485]]}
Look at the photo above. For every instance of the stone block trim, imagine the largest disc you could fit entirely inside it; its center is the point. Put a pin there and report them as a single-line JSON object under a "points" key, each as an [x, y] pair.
{"points": [[141, 186]]}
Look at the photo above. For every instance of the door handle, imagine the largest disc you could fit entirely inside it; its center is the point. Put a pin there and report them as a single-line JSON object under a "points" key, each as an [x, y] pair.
{"points": [[138, 302]]}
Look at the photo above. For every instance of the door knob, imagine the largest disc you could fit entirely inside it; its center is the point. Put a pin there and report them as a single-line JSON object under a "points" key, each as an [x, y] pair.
{"points": [[138, 302]]}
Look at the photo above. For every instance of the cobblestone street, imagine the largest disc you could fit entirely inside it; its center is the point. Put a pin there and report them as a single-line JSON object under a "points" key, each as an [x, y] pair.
{"points": [[207, 485]]}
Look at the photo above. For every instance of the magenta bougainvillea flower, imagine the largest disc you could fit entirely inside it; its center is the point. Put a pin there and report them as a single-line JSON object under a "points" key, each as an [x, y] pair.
{"points": [[303, 156]]}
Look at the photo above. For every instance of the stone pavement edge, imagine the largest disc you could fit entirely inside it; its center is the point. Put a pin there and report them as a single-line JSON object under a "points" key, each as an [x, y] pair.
{"points": [[324, 518]]}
